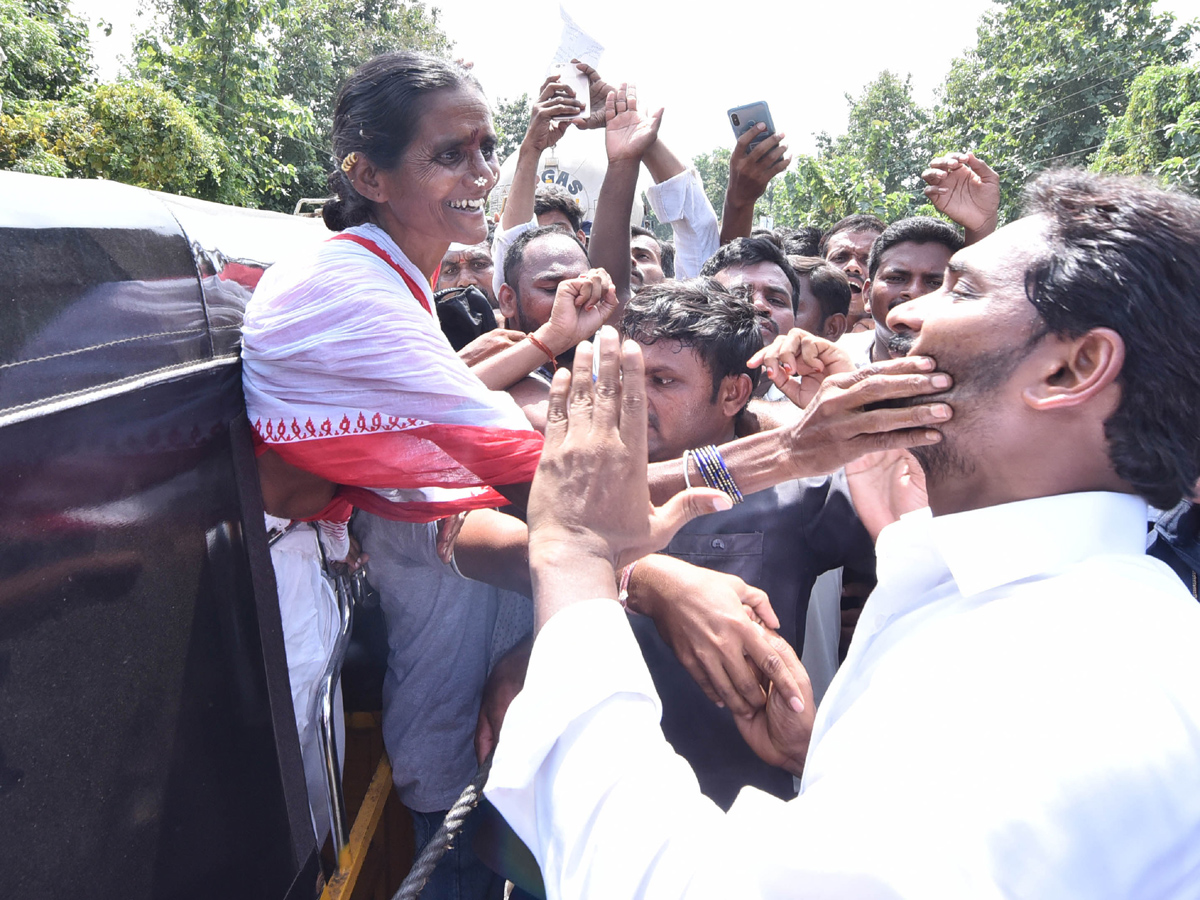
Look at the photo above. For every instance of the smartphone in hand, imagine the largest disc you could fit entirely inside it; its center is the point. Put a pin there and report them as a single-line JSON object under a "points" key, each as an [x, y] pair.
{"points": [[743, 118]]}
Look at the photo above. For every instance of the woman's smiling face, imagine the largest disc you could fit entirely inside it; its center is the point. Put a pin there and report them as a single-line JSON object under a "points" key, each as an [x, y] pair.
{"points": [[436, 195]]}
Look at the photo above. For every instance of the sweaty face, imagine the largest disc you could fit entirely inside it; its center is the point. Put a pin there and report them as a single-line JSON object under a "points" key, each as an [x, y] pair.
{"points": [[680, 410], [905, 272], [849, 251], [436, 195], [468, 267], [769, 289], [547, 262], [979, 326], [646, 258]]}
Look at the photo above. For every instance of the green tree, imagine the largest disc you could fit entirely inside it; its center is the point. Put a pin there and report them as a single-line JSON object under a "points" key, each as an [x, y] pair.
{"points": [[1159, 132], [1045, 78], [44, 50], [130, 131], [874, 167], [714, 173], [511, 120], [213, 55]]}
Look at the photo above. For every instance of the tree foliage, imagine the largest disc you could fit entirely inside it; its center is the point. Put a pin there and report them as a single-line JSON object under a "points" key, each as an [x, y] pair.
{"points": [[316, 44], [1045, 78], [511, 120], [1159, 132], [44, 50], [129, 131]]}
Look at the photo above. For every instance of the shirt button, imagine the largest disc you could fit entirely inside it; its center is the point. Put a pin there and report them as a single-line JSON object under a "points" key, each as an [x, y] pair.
{"points": [[718, 544]]}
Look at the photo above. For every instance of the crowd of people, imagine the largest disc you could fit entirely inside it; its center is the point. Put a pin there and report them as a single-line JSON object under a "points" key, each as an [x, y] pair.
{"points": [[891, 628]]}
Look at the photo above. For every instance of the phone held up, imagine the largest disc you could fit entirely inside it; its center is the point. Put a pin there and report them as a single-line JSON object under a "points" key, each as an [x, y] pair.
{"points": [[743, 118]]}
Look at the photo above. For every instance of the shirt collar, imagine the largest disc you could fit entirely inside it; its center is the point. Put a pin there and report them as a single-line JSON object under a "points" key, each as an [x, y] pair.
{"points": [[997, 545]]}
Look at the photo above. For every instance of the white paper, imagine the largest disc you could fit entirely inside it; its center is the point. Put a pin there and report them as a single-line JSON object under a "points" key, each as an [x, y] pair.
{"points": [[576, 43]]}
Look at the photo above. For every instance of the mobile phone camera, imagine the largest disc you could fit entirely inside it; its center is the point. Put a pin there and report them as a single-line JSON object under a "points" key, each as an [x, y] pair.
{"points": [[733, 117]]}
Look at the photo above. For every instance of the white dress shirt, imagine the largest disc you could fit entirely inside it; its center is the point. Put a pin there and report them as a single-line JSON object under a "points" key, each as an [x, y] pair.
{"points": [[680, 201], [1018, 716]]}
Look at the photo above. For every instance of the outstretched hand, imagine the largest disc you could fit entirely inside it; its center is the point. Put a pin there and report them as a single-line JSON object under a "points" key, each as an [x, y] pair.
{"points": [[590, 500], [965, 188], [799, 353], [627, 133]]}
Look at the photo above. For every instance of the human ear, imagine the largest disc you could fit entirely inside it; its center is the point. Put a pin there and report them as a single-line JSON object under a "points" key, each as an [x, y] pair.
{"points": [[1075, 371], [735, 393], [834, 327], [507, 298], [367, 180]]}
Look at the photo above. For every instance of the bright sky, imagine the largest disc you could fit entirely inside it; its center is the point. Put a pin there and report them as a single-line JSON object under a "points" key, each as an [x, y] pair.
{"points": [[800, 58]]}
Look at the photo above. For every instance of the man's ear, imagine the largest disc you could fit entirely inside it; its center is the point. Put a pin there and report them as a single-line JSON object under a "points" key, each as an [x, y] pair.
{"points": [[367, 180], [834, 327], [1073, 371], [507, 298], [734, 393]]}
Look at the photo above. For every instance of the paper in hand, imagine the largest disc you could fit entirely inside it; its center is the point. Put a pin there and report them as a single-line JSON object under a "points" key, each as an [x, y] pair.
{"points": [[575, 43]]}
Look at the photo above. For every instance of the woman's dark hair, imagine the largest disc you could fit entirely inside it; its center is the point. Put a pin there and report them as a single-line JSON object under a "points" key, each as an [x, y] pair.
{"points": [[1122, 253], [377, 115]]}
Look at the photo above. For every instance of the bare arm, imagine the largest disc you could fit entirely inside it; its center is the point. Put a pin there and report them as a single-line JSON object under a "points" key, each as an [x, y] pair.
{"points": [[750, 171], [841, 423], [627, 137], [545, 129]]}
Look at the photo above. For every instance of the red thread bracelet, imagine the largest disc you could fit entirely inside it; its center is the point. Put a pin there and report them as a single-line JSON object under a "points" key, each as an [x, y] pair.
{"points": [[544, 349]]}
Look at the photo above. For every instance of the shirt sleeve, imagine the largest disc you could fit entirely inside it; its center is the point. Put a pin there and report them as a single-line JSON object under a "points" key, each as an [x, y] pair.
{"points": [[585, 777], [681, 202], [501, 241]]}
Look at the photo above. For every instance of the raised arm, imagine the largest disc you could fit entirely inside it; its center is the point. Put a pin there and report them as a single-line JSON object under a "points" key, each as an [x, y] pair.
{"points": [[964, 187], [750, 171], [546, 126], [628, 134]]}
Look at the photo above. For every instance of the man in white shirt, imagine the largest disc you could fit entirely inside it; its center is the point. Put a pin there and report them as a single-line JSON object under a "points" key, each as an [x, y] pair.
{"points": [[1019, 712]]}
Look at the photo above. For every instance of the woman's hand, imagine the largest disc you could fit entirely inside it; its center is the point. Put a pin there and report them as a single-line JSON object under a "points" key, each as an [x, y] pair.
{"points": [[489, 344], [581, 306], [711, 621], [803, 354]]}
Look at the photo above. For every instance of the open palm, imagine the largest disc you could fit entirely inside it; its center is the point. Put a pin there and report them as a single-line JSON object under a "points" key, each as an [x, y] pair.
{"points": [[627, 133]]}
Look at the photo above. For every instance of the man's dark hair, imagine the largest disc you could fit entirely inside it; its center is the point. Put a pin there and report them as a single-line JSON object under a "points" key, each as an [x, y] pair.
{"points": [[856, 222], [551, 197], [745, 251], [723, 328], [666, 249], [913, 230], [804, 241], [514, 256], [1123, 254], [827, 282]]}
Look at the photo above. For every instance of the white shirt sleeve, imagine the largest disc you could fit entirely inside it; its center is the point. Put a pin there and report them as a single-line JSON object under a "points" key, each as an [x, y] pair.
{"points": [[501, 241], [585, 777], [681, 202]]}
